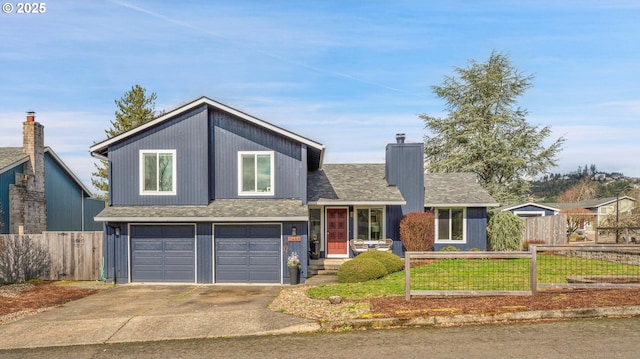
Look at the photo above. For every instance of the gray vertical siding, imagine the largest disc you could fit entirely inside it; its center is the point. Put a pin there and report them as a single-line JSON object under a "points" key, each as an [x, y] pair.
{"points": [[64, 198], [405, 169], [204, 269], [188, 135], [231, 135], [6, 178], [301, 248]]}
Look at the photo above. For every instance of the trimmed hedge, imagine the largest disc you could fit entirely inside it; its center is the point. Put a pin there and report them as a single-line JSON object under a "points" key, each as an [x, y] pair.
{"points": [[361, 270], [392, 262]]}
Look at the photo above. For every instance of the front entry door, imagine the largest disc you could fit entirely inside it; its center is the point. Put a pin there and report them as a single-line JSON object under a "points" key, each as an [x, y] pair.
{"points": [[337, 231]]}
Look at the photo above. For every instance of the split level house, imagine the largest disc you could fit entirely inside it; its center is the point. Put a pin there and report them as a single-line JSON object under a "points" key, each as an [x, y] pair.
{"points": [[209, 194], [39, 192]]}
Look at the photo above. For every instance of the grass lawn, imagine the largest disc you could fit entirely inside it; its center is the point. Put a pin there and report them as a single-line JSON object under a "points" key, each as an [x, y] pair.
{"points": [[477, 274]]}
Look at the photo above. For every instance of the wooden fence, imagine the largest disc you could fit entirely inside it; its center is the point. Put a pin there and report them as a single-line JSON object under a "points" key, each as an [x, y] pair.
{"points": [[74, 255], [550, 229]]}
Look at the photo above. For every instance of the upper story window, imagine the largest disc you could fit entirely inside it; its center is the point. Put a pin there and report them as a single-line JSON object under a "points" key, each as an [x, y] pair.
{"points": [[158, 172], [255, 173], [451, 225]]}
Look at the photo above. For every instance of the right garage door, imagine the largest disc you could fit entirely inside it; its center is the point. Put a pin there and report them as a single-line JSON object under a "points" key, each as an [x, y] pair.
{"points": [[247, 253]]}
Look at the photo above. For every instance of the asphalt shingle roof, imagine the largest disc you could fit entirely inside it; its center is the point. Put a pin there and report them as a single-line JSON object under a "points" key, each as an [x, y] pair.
{"points": [[455, 189], [221, 209], [10, 155], [353, 183]]}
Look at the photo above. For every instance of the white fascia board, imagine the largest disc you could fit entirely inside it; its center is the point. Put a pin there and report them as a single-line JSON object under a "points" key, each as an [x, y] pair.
{"points": [[461, 205], [200, 219], [357, 203]]}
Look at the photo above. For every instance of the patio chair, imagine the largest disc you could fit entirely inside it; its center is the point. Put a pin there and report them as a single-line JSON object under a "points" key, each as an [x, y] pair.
{"points": [[384, 244], [358, 246]]}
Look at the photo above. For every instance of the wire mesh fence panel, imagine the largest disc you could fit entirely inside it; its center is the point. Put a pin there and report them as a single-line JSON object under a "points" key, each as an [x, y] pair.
{"points": [[468, 273], [588, 266]]}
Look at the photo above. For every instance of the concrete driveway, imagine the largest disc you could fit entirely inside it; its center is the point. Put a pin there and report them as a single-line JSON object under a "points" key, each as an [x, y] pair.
{"points": [[131, 313]]}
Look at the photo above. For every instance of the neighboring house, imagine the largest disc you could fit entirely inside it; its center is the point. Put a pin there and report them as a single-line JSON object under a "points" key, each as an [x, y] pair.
{"points": [[532, 209], [208, 194], [601, 208], [38, 192]]}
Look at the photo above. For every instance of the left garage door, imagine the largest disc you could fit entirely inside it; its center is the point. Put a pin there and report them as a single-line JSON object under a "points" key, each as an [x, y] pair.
{"points": [[163, 254]]}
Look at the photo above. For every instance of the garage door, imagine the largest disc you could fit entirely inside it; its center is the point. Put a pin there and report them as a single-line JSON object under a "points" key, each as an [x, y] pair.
{"points": [[247, 254], [163, 253]]}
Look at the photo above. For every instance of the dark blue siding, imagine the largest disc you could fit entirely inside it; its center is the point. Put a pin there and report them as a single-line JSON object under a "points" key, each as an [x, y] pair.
{"points": [[6, 178], [231, 135], [405, 169], [476, 231], [301, 248], [205, 253], [186, 134], [394, 216], [116, 253], [64, 198]]}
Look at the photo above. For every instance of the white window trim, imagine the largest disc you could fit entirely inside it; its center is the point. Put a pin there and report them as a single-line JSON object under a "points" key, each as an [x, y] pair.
{"points": [[173, 174], [273, 169], [464, 226], [383, 233]]}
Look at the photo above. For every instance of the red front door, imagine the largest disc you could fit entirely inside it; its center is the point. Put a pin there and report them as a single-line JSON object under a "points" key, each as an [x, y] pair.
{"points": [[337, 231]]}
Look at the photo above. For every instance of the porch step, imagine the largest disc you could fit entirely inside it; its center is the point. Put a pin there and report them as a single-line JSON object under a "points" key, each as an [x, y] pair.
{"points": [[325, 266]]}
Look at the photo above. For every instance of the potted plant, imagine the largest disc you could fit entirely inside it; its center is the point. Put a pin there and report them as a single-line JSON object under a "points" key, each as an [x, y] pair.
{"points": [[293, 264]]}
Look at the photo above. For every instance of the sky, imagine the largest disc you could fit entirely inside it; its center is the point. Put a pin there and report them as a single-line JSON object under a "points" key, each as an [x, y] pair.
{"points": [[347, 74]]}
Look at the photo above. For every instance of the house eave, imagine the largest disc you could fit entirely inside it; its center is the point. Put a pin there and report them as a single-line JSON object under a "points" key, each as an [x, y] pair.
{"points": [[201, 219], [356, 203], [429, 205]]}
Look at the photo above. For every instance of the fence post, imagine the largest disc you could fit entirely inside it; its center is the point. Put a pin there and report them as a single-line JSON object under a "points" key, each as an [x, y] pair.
{"points": [[533, 267], [407, 276]]}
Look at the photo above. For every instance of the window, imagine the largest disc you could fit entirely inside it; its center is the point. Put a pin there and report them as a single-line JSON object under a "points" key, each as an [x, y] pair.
{"points": [[157, 172], [450, 225], [255, 173], [369, 223]]}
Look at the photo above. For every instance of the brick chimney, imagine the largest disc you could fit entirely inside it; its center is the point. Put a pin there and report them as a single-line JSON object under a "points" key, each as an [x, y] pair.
{"points": [[27, 200], [33, 146]]}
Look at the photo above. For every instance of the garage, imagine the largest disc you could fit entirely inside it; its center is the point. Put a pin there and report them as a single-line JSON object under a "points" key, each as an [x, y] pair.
{"points": [[247, 253], [163, 253]]}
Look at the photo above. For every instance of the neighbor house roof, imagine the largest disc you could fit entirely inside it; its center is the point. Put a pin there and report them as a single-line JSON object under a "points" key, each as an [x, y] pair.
{"points": [[10, 157], [547, 206], [352, 184], [100, 149], [455, 190], [230, 210]]}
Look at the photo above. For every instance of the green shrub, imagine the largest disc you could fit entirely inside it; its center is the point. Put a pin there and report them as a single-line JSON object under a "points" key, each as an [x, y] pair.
{"points": [[361, 270], [417, 231], [391, 262], [450, 248], [505, 231]]}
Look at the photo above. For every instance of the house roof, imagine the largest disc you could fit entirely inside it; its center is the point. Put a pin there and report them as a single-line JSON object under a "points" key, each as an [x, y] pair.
{"points": [[100, 149], [10, 157], [455, 190], [229, 210], [547, 206], [352, 184]]}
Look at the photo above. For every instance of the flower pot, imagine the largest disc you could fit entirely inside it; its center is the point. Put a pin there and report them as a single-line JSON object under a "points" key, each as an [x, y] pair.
{"points": [[294, 275]]}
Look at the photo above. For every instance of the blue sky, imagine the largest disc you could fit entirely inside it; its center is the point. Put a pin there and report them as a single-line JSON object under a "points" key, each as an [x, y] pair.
{"points": [[348, 74]]}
